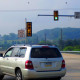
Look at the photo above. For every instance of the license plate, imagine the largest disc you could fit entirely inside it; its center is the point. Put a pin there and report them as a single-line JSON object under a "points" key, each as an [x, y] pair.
{"points": [[48, 64]]}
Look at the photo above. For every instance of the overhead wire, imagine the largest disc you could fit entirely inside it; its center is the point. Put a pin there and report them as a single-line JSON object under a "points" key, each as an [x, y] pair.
{"points": [[39, 10]]}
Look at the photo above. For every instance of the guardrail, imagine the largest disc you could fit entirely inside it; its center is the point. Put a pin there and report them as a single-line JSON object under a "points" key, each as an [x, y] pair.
{"points": [[70, 51]]}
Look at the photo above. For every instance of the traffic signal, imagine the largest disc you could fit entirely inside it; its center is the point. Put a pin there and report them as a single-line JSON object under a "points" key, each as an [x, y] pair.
{"points": [[29, 29], [55, 15]]}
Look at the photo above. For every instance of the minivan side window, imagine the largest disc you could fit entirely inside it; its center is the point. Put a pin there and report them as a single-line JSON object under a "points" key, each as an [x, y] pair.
{"points": [[15, 52], [22, 52], [9, 52]]}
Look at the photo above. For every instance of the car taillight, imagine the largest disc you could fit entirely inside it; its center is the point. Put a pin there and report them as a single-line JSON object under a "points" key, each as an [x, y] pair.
{"points": [[29, 65], [63, 64]]}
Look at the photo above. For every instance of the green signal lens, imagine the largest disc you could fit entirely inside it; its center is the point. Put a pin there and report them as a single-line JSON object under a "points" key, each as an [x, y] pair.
{"points": [[56, 17]]}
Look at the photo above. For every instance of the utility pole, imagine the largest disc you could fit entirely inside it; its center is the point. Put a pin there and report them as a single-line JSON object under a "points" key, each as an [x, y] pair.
{"points": [[61, 39], [37, 39], [45, 38], [61, 33]]}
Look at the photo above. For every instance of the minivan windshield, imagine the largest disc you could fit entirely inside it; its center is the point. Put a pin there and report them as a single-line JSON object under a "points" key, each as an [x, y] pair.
{"points": [[45, 53]]}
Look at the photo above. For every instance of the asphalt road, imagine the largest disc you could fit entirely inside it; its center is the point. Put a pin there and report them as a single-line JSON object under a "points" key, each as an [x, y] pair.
{"points": [[73, 68]]}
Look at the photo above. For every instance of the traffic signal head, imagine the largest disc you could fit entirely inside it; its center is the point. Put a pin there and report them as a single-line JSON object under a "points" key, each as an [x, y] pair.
{"points": [[55, 15], [29, 29]]}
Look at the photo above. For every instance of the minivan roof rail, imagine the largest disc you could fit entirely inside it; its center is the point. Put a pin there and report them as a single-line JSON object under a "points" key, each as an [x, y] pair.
{"points": [[46, 44], [21, 45]]}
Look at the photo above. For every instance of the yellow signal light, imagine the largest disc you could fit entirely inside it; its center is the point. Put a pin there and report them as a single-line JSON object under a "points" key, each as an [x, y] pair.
{"points": [[29, 29]]}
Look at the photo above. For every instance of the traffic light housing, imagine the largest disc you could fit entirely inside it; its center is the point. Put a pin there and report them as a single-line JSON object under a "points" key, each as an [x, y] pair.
{"points": [[55, 15], [29, 29]]}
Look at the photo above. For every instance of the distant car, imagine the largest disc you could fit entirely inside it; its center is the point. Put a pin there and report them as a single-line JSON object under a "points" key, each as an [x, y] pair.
{"points": [[32, 61]]}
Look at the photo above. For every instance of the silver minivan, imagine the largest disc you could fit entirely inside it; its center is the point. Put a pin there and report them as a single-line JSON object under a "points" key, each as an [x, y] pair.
{"points": [[33, 62]]}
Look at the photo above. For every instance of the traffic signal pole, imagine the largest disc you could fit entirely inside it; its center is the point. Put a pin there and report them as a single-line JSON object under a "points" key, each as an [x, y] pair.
{"points": [[25, 31], [58, 15]]}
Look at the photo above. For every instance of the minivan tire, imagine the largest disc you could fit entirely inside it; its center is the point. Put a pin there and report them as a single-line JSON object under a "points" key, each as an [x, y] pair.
{"points": [[1, 77], [18, 75]]}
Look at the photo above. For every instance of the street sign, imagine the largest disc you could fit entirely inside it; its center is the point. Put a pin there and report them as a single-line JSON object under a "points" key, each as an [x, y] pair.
{"points": [[77, 15], [21, 33]]}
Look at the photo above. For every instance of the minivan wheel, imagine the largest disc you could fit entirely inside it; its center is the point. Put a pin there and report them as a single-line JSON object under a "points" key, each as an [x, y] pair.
{"points": [[1, 77], [18, 75]]}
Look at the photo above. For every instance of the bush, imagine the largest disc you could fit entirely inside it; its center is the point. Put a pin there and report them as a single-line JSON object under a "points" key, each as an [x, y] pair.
{"points": [[68, 48], [72, 48]]}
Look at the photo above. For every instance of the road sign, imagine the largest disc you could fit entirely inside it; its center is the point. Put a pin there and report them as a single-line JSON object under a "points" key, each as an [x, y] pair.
{"points": [[77, 15], [21, 33], [29, 29]]}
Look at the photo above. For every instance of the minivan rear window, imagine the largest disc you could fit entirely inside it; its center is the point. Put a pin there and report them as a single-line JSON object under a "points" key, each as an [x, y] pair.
{"points": [[45, 53]]}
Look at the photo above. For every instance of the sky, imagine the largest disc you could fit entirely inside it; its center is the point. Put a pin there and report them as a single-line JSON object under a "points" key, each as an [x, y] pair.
{"points": [[14, 12]]}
